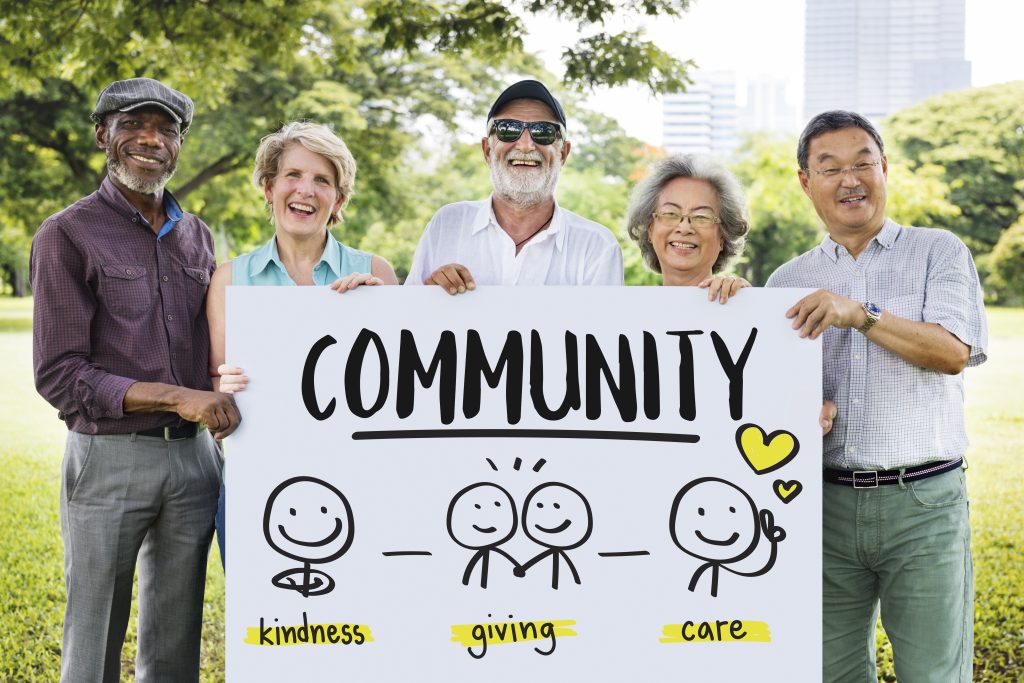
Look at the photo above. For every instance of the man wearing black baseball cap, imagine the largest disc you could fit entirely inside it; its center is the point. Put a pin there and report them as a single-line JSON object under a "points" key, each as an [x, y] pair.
{"points": [[121, 351], [519, 235]]}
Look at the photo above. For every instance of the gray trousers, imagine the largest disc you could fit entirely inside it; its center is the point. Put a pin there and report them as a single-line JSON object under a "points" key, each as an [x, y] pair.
{"points": [[127, 499]]}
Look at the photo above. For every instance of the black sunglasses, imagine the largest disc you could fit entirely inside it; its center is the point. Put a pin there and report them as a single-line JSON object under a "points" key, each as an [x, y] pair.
{"points": [[510, 130]]}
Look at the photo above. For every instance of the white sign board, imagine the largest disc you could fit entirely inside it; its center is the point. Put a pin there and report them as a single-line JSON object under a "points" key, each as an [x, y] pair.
{"points": [[601, 484]]}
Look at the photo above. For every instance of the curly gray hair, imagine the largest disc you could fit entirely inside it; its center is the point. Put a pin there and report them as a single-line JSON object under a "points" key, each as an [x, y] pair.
{"points": [[644, 202]]}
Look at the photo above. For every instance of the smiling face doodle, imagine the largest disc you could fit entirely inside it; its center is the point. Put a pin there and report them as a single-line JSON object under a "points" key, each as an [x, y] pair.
{"points": [[308, 520], [556, 515], [713, 519], [482, 515]]}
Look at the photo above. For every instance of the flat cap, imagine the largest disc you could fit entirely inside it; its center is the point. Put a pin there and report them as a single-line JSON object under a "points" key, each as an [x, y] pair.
{"points": [[144, 92], [528, 90]]}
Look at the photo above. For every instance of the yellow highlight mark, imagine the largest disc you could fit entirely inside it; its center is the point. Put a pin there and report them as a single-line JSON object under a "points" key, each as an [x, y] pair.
{"points": [[717, 632], [309, 634], [498, 633]]}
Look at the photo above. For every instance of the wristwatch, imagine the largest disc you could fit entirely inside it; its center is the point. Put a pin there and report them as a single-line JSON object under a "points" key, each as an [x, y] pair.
{"points": [[874, 313]]}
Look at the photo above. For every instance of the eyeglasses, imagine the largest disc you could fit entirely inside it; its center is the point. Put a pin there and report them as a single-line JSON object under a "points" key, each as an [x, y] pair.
{"points": [[860, 170], [673, 219], [510, 130]]}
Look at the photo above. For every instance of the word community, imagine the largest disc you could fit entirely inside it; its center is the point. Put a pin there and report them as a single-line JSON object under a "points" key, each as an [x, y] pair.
{"points": [[583, 387]]}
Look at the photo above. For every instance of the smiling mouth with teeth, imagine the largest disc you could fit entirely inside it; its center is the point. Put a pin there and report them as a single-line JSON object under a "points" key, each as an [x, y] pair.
{"points": [[682, 245], [145, 160], [302, 208], [852, 198]]}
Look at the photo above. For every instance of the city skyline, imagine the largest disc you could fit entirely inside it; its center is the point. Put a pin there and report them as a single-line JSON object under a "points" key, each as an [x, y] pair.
{"points": [[766, 44]]}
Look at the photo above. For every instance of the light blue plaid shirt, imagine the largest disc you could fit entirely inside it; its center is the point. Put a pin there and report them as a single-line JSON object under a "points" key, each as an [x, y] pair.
{"points": [[893, 414]]}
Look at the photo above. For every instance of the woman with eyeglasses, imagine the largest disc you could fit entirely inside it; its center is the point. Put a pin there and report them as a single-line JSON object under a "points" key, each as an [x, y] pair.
{"points": [[689, 217], [306, 174]]}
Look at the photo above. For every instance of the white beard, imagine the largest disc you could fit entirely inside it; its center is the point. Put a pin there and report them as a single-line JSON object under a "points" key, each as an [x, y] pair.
{"points": [[524, 188], [119, 171]]}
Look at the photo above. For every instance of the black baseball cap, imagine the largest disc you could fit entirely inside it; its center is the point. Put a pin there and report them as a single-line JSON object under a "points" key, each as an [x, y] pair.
{"points": [[528, 90], [144, 92]]}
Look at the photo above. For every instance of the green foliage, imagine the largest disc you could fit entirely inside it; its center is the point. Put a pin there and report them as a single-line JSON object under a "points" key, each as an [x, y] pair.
{"points": [[782, 220], [1007, 266], [379, 72], [977, 137]]}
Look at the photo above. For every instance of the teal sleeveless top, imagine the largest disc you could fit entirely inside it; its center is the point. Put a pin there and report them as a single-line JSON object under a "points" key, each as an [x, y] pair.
{"points": [[263, 266]]}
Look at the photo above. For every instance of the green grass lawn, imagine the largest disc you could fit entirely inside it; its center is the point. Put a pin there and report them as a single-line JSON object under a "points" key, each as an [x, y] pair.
{"points": [[31, 579]]}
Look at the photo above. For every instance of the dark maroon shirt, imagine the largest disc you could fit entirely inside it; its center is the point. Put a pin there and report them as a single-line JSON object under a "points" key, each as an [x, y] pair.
{"points": [[115, 305]]}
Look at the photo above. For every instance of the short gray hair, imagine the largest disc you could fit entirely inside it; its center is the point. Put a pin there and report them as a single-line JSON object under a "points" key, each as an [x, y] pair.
{"points": [[317, 138], [644, 202]]}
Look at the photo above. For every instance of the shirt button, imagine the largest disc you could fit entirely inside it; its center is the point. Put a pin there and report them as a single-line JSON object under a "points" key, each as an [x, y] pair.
{"points": [[856, 401], [170, 317], [851, 449], [129, 271], [165, 278], [856, 356]]}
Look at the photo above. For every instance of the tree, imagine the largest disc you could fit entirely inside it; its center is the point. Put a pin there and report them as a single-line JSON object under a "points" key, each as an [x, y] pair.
{"points": [[782, 220], [378, 71], [1007, 266], [977, 137]]}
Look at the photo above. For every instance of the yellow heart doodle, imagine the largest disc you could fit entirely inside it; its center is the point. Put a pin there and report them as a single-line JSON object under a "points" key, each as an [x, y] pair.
{"points": [[787, 490], [766, 452]]}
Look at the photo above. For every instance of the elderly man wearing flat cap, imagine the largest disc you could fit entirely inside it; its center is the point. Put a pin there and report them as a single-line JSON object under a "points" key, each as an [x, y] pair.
{"points": [[519, 235], [120, 348]]}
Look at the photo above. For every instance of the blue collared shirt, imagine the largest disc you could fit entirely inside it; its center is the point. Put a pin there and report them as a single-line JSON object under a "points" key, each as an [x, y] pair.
{"points": [[894, 414], [263, 266]]}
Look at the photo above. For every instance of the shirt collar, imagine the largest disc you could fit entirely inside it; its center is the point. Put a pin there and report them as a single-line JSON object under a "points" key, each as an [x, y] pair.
{"points": [[109, 192], [268, 254], [485, 218], [885, 238]]}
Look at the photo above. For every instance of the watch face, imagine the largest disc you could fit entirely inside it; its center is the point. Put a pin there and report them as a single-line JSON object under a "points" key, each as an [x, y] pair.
{"points": [[873, 309]]}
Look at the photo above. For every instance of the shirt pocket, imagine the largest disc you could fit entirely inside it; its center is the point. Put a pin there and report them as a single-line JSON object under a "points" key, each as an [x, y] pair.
{"points": [[125, 290], [197, 281]]}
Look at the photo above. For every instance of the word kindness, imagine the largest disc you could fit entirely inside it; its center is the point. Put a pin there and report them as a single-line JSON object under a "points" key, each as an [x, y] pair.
{"points": [[587, 370]]}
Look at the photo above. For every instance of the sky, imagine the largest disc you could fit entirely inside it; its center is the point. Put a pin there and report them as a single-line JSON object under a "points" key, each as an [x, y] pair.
{"points": [[765, 37]]}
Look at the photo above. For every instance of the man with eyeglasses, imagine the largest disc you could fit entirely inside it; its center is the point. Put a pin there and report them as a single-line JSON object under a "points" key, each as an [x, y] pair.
{"points": [[519, 235], [901, 312]]}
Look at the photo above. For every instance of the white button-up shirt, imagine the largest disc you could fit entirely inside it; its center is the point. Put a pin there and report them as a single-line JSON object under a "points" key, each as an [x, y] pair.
{"points": [[893, 414], [571, 251]]}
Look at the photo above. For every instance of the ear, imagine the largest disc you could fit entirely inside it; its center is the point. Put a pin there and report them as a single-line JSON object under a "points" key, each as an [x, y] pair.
{"points": [[566, 148], [485, 147], [268, 190], [101, 135], [804, 180], [885, 167]]}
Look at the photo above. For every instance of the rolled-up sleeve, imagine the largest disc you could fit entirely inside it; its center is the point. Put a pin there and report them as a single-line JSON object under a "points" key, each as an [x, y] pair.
{"points": [[953, 296], [64, 307]]}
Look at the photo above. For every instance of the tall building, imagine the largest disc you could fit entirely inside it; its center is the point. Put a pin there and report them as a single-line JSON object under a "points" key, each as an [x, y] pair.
{"points": [[767, 108], [704, 118], [878, 56]]}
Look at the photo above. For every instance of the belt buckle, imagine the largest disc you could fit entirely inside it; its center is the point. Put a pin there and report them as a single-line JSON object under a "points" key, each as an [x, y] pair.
{"points": [[871, 483], [167, 435]]}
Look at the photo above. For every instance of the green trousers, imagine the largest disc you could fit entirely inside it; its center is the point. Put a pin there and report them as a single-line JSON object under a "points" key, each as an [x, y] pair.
{"points": [[905, 549]]}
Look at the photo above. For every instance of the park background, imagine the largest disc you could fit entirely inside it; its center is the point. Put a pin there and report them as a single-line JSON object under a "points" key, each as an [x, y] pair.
{"points": [[407, 85]]}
